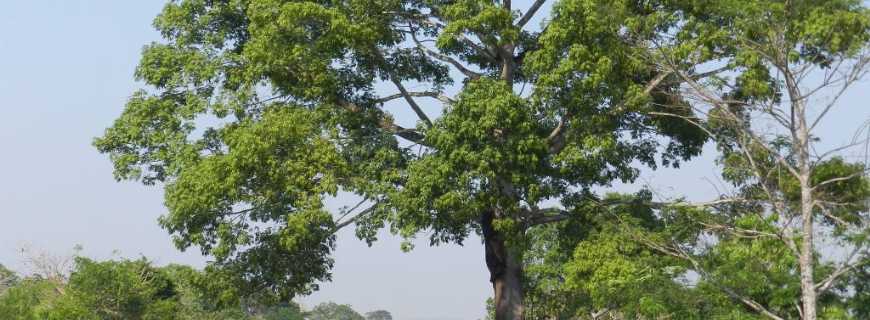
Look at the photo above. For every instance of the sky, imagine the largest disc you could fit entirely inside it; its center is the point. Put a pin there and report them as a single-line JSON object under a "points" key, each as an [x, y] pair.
{"points": [[66, 70]]}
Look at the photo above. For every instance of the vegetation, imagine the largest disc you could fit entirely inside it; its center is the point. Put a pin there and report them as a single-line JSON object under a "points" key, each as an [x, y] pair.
{"points": [[136, 289], [257, 111]]}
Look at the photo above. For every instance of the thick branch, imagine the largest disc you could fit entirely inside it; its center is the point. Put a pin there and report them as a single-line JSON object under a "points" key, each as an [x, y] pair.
{"points": [[341, 224], [411, 102], [388, 125], [838, 179], [531, 13], [826, 284], [431, 94]]}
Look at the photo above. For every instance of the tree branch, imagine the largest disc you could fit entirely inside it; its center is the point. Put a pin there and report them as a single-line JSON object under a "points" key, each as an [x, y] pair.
{"points": [[826, 284], [416, 107], [555, 138], [388, 124], [531, 13], [342, 224], [431, 94], [445, 58]]}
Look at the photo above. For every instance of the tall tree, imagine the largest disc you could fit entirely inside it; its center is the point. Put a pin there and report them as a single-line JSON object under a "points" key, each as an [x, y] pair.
{"points": [[258, 110], [780, 68]]}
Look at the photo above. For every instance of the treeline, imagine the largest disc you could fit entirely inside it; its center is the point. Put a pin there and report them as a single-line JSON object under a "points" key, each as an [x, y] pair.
{"points": [[137, 289]]}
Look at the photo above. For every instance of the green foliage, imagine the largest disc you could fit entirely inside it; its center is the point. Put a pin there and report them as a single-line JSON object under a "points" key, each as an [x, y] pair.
{"points": [[258, 110], [8, 278], [115, 290], [602, 262], [29, 299], [135, 289], [333, 311]]}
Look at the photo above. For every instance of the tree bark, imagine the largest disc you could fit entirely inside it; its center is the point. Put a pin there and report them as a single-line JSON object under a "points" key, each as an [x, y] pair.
{"points": [[808, 285], [801, 134], [506, 273]]}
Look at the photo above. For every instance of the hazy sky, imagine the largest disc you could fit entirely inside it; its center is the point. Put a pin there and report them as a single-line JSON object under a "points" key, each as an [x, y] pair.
{"points": [[66, 70]]}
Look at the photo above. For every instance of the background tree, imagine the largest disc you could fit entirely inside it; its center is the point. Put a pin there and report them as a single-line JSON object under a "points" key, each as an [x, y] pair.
{"points": [[333, 311], [135, 289], [28, 299], [379, 315], [8, 278], [116, 290], [303, 91]]}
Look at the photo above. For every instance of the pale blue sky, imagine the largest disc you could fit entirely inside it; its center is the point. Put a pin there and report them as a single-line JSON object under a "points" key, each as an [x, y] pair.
{"points": [[65, 72]]}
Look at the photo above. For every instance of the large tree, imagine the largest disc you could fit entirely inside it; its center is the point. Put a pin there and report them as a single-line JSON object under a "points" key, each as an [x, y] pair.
{"points": [[258, 110]]}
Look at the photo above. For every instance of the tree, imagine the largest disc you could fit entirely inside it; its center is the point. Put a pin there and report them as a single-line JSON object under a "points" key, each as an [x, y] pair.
{"points": [[258, 110], [379, 315], [333, 311], [283, 311], [27, 300], [135, 289], [8, 278], [130, 289], [599, 267], [780, 68]]}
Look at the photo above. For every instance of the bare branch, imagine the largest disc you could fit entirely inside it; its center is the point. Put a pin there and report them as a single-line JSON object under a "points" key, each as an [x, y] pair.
{"points": [[411, 102], [827, 213], [848, 265], [445, 58], [838, 179], [341, 224], [712, 99], [531, 13], [431, 94]]}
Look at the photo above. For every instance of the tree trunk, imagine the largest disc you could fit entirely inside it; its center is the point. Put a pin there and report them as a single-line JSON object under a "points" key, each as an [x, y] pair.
{"points": [[802, 150], [808, 285], [506, 273]]}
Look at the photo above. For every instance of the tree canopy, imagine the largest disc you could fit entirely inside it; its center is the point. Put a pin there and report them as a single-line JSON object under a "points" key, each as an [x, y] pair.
{"points": [[256, 111]]}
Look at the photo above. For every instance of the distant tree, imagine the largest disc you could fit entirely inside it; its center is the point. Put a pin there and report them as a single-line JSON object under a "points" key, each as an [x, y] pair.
{"points": [[8, 278], [129, 289], [29, 299], [282, 311], [136, 289], [379, 315], [333, 311]]}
